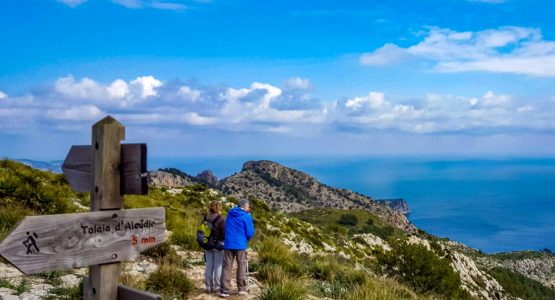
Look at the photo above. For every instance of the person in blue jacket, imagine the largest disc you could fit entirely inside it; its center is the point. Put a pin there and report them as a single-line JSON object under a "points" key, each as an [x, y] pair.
{"points": [[239, 229]]}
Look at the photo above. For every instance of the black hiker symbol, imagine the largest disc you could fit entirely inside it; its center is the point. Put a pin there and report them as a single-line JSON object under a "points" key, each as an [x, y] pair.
{"points": [[31, 242]]}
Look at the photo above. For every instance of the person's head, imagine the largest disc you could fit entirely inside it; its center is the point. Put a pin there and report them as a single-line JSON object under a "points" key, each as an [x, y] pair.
{"points": [[215, 207], [244, 204]]}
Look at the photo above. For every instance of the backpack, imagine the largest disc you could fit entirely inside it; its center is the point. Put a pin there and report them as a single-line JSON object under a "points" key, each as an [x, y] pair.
{"points": [[204, 234]]}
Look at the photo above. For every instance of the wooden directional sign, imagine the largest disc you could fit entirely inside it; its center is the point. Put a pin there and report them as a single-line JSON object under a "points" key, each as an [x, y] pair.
{"points": [[57, 242], [126, 292], [78, 169]]}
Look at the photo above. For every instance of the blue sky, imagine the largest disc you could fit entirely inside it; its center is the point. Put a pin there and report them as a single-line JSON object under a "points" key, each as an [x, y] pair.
{"points": [[210, 77]]}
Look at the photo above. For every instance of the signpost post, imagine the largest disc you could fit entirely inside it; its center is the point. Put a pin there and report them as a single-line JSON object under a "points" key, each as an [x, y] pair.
{"points": [[103, 237]]}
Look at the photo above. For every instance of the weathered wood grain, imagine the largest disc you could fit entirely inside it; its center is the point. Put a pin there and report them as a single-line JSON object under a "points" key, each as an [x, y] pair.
{"points": [[76, 240], [134, 179], [127, 292], [133, 168], [105, 195], [77, 168], [106, 136]]}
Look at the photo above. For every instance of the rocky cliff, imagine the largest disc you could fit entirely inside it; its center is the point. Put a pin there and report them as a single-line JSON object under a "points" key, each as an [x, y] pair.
{"points": [[399, 205], [290, 190], [174, 178], [166, 179]]}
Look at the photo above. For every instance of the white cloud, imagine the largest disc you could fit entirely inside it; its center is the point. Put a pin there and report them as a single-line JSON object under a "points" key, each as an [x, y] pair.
{"points": [[156, 4], [119, 92], [129, 3], [516, 50], [168, 5], [146, 86], [118, 89], [374, 100], [386, 55], [72, 103], [76, 113], [297, 83], [72, 3], [86, 88], [194, 118], [189, 94], [438, 113], [3, 95]]}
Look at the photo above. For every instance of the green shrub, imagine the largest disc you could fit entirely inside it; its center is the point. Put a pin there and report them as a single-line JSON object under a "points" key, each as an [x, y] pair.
{"points": [[185, 239], [39, 191], [184, 227], [66, 293], [336, 277], [348, 220], [380, 289], [521, 286], [258, 205], [273, 252], [272, 274], [338, 229], [330, 269], [19, 288], [169, 282], [53, 277], [9, 217], [421, 269], [163, 253], [288, 289]]}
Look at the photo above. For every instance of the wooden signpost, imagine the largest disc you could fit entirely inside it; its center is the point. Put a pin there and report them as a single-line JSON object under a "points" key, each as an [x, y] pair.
{"points": [[53, 242], [78, 169], [103, 237]]}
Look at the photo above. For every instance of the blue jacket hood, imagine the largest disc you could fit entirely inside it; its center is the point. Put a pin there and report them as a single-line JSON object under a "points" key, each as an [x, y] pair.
{"points": [[239, 229]]}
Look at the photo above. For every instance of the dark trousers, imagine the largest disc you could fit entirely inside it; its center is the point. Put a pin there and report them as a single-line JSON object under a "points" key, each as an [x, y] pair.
{"points": [[241, 257]]}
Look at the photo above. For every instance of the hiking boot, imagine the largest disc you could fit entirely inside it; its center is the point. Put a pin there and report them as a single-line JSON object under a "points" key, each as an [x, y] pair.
{"points": [[224, 294], [243, 293]]}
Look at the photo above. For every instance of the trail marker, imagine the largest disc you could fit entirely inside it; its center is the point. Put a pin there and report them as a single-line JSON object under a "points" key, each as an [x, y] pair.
{"points": [[106, 235], [54, 242]]}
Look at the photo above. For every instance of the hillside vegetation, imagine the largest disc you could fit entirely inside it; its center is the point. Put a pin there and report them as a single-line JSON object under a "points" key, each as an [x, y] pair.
{"points": [[320, 253]]}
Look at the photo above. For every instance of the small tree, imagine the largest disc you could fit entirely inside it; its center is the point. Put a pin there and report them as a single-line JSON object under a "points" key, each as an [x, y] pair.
{"points": [[348, 220]]}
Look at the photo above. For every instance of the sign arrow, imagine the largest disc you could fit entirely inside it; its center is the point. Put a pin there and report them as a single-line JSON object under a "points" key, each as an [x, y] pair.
{"points": [[66, 241], [78, 165]]}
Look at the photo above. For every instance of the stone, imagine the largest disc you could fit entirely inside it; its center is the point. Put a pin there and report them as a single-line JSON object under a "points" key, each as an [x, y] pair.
{"points": [[208, 178], [419, 241], [9, 271], [70, 280], [169, 180], [6, 292], [371, 241], [328, 247]]}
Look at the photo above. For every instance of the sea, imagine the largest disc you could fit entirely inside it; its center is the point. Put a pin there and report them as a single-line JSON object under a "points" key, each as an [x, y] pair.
{"points": [[494, 205]]}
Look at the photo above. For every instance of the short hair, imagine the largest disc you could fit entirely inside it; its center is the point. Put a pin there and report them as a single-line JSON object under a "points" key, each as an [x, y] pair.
{"points": [[215, 206], [243, 202]]}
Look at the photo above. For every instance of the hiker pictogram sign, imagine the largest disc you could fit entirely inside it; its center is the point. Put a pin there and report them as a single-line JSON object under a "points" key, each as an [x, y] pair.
{"points": [[66, 241]]}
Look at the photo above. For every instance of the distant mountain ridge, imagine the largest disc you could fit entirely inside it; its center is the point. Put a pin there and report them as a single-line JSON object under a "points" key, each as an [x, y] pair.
{"points": [[282, 188], [174, 178], [53, 166]]}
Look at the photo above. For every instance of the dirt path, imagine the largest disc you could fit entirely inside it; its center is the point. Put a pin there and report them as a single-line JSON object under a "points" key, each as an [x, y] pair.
{"points": [[196, 275]]}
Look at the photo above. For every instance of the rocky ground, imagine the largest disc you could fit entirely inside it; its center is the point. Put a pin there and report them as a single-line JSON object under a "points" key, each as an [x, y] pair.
{"points": [[133, 272]]}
